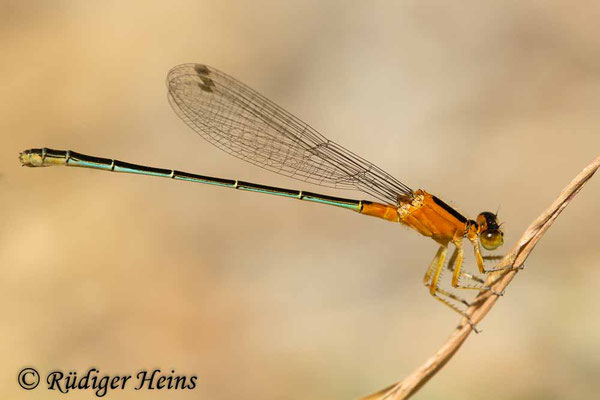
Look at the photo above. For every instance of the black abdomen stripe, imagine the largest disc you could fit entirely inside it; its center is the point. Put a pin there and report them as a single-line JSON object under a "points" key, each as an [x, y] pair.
{"points": [[451, 210]]}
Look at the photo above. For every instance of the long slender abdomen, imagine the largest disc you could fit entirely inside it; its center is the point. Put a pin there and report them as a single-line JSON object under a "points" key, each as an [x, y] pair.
{"points": [[387, 212]]}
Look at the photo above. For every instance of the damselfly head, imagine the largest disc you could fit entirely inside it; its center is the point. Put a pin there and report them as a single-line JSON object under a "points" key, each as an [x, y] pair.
{"points": [[490, 235]]}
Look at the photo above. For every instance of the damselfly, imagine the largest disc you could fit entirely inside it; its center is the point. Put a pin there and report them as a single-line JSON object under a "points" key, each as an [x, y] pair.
{"points": [[245, 124]]}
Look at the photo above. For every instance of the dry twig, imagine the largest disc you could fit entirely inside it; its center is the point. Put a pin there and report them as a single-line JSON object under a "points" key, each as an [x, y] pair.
{"points": [[514, 261]]}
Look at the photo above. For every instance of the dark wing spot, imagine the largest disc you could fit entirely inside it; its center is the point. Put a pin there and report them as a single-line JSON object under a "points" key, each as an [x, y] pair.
{"points": [[201, 69], [207, 81], [206, 88]]}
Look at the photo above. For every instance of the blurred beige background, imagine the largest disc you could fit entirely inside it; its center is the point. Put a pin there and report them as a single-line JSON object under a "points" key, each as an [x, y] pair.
{"points": [[486, 106]]}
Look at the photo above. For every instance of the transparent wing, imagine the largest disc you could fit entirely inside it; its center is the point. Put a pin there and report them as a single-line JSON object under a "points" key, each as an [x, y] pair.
{"points": [[242, 122]]}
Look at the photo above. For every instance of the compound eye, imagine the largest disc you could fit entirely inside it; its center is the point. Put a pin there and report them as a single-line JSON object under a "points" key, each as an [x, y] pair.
{"points": [[491, 239]]}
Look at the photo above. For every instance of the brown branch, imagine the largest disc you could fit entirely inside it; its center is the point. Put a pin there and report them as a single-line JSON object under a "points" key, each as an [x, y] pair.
{"points": [[513, 261]]}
